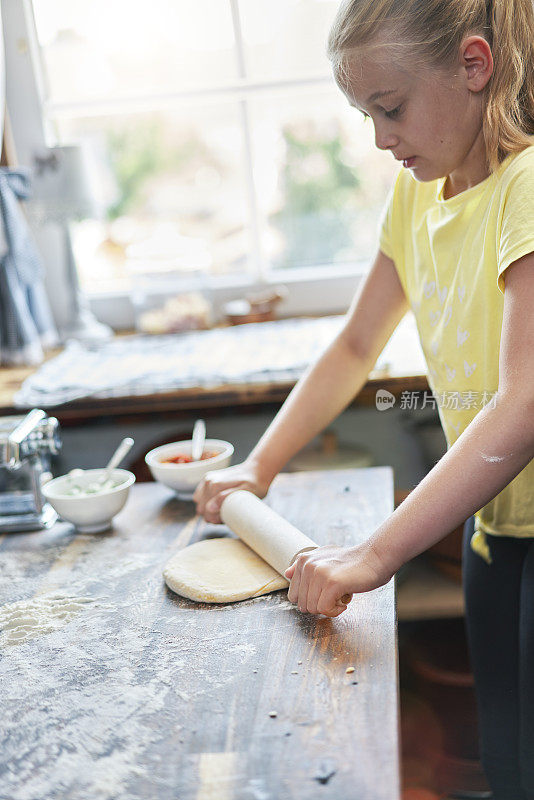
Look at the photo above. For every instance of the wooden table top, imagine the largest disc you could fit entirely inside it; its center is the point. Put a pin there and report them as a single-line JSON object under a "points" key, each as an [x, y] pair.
{"points": [[116, 688]]}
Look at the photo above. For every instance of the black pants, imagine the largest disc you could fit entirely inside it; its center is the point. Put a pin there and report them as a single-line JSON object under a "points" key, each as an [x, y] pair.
{"points": [[500, 631]]}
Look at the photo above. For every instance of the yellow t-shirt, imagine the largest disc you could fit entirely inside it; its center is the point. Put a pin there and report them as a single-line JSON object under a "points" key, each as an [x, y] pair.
{"points": [[450, 256]]}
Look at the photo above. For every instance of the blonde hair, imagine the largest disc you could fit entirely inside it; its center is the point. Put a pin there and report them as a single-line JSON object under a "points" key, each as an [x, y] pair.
{"points": [[431, 31]]}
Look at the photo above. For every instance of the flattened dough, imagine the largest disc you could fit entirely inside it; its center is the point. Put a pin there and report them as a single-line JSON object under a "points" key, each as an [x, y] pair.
{"points": [[220, 571]]}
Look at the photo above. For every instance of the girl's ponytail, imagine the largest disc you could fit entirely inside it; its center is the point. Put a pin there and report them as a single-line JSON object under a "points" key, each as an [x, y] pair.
{"points": [[509, 119]]}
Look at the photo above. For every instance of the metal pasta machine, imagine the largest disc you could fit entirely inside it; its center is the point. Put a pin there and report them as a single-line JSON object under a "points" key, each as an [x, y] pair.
{"points": [[27, 444]]}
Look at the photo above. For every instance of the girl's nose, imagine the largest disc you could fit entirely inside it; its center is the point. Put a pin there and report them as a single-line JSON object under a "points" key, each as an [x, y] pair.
{"points": [[385, 139]]}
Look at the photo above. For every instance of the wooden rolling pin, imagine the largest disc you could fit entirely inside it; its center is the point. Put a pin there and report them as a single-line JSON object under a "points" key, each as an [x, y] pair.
{"points": [[271, 536]]}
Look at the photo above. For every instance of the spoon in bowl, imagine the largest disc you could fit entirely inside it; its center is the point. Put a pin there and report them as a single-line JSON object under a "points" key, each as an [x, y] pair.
{"points": [[95, 486], [199, 437], [124, 447]]}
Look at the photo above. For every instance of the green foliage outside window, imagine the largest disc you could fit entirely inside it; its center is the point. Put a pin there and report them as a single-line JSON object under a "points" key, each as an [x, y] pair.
{"points": [[145, 150], [319, 196], [319, 191]]}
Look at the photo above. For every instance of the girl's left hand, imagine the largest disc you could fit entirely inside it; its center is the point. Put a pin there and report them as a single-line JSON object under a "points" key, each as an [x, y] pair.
{"points": [[321, 577]]}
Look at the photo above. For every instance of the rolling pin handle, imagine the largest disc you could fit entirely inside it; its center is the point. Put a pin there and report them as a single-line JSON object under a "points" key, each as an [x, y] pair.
{"points": [[304, 550]]}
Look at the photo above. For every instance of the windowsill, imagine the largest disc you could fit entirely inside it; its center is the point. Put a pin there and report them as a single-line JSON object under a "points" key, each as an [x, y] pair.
{"points": [[316, 291]]}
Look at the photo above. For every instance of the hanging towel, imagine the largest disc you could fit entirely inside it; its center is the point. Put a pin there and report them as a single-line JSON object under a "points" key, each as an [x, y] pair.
{"points": [[26, 323]]}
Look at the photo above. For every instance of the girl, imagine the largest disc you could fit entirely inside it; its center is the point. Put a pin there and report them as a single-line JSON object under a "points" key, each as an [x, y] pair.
{"points": [[449, 87]]}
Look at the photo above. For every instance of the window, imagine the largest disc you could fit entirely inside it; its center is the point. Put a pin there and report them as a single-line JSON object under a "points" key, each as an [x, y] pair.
{"points": [[212, 125]]}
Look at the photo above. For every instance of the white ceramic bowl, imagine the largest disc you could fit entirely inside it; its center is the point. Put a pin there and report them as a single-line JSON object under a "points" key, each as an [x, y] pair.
{"points": [[184, 478], [91, 513]]}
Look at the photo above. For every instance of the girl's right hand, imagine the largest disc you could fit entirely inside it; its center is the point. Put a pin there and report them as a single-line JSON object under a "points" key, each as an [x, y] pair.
{"points": [[219, 483]]}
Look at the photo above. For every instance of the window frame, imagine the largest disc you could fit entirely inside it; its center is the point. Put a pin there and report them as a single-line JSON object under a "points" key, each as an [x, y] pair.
{"points": [[322, 289]]}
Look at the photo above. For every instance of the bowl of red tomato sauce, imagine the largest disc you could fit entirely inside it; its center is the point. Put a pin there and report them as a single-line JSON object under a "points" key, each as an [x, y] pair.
{"points": [[172, 464]]}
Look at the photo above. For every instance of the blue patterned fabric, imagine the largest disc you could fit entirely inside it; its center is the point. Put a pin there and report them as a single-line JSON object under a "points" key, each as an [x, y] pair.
{"points": [[26, 324]]}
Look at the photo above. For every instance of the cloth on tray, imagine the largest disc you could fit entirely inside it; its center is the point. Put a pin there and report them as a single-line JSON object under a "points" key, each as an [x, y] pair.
{"points": [[140, 365]]}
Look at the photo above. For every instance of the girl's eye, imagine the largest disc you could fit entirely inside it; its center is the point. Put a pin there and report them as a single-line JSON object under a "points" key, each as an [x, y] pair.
{"points": [[393, 113]]}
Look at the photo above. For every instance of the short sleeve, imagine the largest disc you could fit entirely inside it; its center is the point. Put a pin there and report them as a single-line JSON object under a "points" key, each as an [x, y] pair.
{"points": [[516, 238], [385, 237], [391, 225]]}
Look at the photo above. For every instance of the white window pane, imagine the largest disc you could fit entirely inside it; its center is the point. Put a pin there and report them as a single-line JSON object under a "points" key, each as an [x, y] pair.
{"points": [[286, 38], [184, 169], [106, 48], [321, 181]]}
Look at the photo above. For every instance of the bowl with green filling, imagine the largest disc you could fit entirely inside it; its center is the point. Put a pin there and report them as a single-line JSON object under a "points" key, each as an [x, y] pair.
{"points": [[88, 501]]}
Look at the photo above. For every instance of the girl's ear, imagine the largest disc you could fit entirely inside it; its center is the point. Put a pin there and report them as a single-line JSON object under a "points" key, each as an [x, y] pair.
{"points": [[477, 61]]}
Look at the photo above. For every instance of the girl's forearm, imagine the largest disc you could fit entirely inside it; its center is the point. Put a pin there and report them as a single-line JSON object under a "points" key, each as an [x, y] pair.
{"points": [[492, 450], [319, 396]]}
